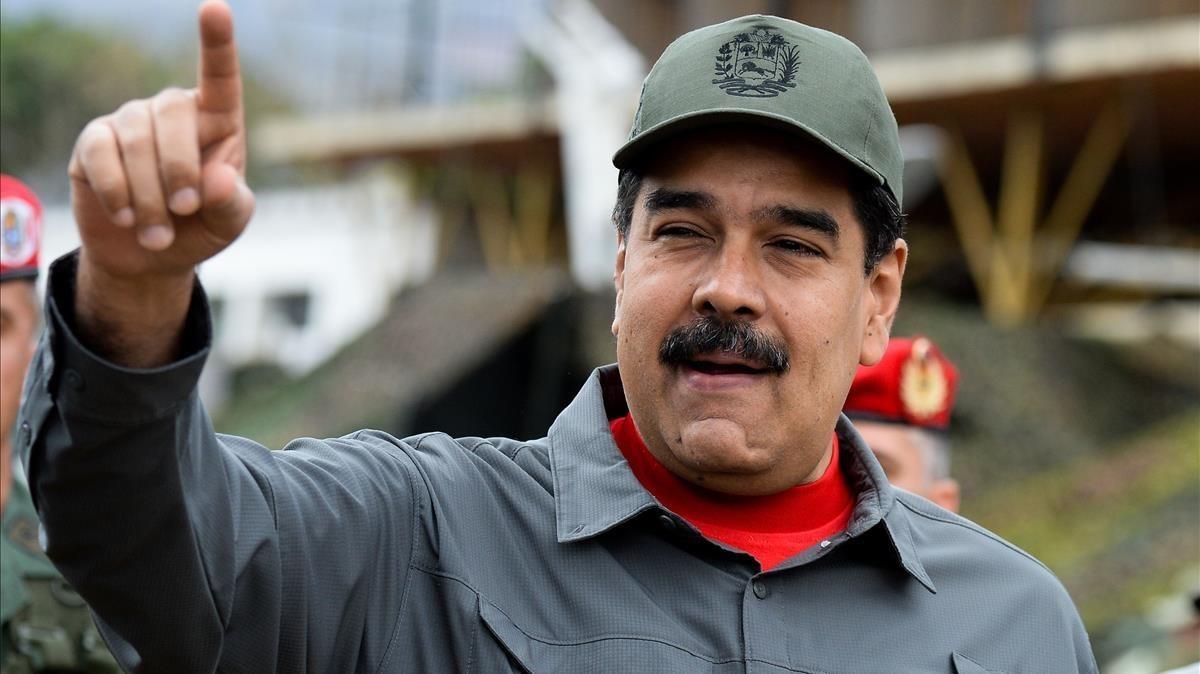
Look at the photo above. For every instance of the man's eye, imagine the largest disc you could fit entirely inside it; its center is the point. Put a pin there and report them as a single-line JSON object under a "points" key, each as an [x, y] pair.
{"points": [[793, 246], [677, 231]]}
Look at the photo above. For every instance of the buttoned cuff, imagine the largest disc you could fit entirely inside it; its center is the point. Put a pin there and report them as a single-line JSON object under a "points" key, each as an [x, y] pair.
{"points": [[85, 384]]}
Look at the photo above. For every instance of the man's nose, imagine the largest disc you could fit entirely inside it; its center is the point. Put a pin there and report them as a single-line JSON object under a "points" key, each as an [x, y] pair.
{"points": [[731, 288]]}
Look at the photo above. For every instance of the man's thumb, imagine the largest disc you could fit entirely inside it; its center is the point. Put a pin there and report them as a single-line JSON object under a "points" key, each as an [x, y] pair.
{"points": [[228, 201]]}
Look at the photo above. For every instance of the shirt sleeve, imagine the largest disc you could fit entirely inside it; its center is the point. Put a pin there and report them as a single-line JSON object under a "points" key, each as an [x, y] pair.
{"points": [[199, 551]]}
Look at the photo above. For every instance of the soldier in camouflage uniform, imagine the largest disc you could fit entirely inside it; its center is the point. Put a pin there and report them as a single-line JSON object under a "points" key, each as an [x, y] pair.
{"points": [[47, 626], [44, 624]]}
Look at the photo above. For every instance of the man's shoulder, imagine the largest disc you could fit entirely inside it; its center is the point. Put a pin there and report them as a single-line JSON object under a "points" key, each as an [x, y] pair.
{"points": [[979, 573], [945, 537], [441, 458], [439, 445]]}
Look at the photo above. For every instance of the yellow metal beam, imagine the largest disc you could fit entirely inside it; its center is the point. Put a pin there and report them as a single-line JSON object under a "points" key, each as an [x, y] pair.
{"points": [[1014, 265], [1018, 212], [969, 210]]}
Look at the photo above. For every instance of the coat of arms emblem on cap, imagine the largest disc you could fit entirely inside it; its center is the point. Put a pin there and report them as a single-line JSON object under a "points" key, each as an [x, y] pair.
{"points": [[757, 64], [18, 238], [923, 383]]}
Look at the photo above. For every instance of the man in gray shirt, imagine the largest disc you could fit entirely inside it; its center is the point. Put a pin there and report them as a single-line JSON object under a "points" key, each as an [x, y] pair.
{"points": [[759, 263]]}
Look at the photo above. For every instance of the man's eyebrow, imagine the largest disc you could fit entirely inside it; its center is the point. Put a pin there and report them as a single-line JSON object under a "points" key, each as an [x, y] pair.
{"points": [[665, 199], [814, 219]]}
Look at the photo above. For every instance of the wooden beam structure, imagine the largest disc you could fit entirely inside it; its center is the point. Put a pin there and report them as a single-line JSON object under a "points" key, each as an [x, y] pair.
{"points": [[1013, 262]]}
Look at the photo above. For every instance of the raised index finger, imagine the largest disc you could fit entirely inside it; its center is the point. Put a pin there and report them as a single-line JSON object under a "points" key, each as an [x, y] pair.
{"points": [[220, 78]]}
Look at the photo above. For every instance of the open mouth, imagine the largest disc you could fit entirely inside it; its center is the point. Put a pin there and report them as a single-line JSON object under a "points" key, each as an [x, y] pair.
{"points": [[725, 366]]}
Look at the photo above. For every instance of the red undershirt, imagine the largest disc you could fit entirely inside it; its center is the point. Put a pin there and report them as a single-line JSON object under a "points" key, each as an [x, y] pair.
{"points": [[770, 528]]}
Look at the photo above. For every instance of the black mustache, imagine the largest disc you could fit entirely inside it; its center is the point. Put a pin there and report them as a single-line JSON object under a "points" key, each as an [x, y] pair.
{"points": [[708, 334]]}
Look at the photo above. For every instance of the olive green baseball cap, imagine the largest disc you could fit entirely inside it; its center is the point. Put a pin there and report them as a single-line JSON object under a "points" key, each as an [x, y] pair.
{"points": [[773, 72]]}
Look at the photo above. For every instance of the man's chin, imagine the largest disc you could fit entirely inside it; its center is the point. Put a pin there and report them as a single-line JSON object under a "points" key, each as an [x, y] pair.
{"points": [[719, 446]]}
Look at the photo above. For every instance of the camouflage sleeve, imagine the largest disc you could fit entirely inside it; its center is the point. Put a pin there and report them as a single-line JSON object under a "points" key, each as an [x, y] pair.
{"points": [[201, 552]]}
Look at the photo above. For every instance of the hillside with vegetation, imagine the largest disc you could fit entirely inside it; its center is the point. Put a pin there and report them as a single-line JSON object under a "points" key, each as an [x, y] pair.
{"points": [[1085, 454]]}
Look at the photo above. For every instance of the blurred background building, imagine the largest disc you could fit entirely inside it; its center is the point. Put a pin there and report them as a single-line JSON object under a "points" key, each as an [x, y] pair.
{"points": [[433, 247]]}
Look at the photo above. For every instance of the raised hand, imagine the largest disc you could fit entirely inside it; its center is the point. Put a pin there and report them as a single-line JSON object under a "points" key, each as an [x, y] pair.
{"points": [[157, 186]]}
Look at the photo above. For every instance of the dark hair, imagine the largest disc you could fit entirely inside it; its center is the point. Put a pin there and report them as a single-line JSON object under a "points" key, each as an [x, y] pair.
{"points": [[876, 209]]}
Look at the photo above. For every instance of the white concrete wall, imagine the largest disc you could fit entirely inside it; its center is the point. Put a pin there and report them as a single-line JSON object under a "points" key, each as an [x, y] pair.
{"points": [[598, 76], [348, 247]]}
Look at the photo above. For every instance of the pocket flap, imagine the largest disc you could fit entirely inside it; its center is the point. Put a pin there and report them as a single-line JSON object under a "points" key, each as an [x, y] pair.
{"points": [[589, 653], [513, 640], [965, 665]]}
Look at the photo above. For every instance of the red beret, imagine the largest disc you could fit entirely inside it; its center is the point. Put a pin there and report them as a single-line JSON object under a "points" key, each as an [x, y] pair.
{"points": [[20, 229], [913, 384]]}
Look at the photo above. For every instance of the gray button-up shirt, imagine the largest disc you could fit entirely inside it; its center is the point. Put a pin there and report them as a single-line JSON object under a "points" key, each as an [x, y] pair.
{"points": [[200, 551]]}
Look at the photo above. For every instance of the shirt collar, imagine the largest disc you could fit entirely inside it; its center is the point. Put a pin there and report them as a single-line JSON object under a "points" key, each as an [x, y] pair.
{"points": [[595, 490], [876, 504]]}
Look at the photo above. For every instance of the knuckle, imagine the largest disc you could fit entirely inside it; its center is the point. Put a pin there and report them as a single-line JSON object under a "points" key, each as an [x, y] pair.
{"points": [[132, 113], [134, 137], [94, 128], [132, 124], [95, 135], [170, 99], [96, 143]]}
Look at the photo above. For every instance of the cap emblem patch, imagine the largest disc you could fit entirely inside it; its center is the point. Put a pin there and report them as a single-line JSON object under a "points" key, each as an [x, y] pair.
{"points": [[923, 383], [756, 64], [18, 240]]}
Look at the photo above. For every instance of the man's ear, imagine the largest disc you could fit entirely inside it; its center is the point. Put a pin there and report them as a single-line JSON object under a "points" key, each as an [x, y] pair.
{"points": [[618, 282], [882, 301]]}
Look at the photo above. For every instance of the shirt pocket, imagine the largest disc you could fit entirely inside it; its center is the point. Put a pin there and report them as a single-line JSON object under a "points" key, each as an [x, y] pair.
{"points": [[503, 646]]}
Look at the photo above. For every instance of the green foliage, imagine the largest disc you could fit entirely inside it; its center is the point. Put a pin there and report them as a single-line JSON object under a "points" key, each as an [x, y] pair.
{"points": [[1116, 526], [1082, 453], [53, 79]]}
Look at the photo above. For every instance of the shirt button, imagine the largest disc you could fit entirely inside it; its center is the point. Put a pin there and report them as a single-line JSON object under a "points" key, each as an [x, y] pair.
{"points": [[666, 522], [760, 589], [73, 380]]}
